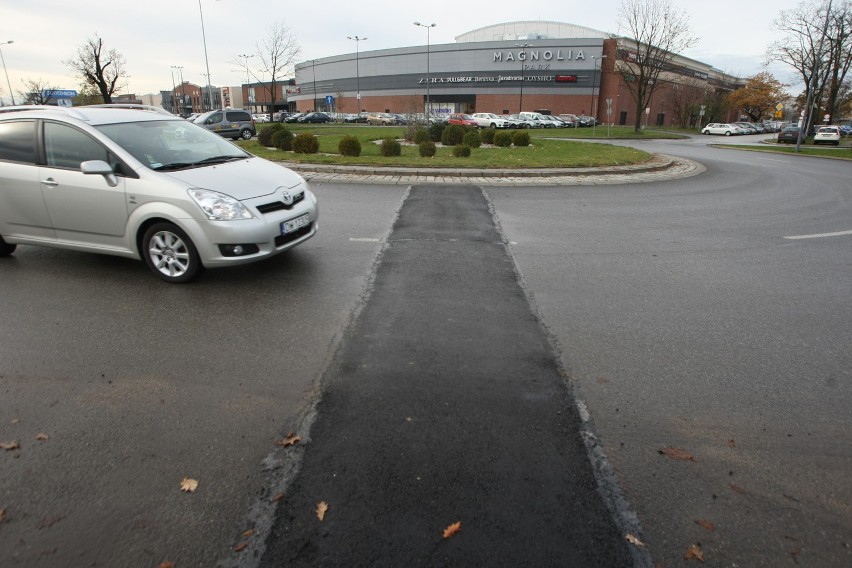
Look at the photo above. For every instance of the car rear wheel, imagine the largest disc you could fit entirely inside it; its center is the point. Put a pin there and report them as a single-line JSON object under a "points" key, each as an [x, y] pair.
{"points": [[728, 133], [170, 254], [246, 134], [5, 248]]}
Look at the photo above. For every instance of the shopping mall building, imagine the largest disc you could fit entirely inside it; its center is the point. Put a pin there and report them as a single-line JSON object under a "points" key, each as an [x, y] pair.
{"points": [[503, 68]]}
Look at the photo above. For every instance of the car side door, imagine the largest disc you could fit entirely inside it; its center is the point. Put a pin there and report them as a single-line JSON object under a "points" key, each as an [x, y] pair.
{"points": [[23, 212], [82, 207]]}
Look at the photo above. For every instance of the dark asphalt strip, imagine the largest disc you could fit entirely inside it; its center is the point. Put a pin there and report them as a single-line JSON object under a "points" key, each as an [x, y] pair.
{"points": [[445, 404]]}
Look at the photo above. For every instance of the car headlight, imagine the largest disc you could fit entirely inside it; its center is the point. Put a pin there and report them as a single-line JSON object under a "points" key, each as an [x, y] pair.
{"points": [[218, 206]]}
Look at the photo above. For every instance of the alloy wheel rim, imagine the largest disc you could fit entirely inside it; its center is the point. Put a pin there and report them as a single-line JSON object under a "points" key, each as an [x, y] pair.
{"points": [[169, 254]]}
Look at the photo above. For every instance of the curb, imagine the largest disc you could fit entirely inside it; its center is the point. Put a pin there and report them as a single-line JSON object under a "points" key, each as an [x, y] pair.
{"points": [[659, 167]]}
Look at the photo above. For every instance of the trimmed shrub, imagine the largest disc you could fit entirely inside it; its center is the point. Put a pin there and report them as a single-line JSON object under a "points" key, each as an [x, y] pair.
{"points": [[472, 139], [521, 139], [503, 139], [306, 143], [453, 135], [436, 131], [282, 139], [390, 147], [427, 149], [421, 135], [487, 135], [349, 146], [265, 135], [461, 151]]}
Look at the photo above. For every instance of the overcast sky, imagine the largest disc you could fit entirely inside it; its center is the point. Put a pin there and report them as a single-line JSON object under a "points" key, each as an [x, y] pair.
{"points": [[153, 35]]}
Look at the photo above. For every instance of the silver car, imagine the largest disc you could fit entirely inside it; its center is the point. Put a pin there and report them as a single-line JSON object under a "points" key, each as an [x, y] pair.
{"points": [[144, 184]]}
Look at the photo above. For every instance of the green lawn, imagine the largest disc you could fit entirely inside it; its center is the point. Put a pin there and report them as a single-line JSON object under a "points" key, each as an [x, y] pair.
{"points": [[543, 152]]}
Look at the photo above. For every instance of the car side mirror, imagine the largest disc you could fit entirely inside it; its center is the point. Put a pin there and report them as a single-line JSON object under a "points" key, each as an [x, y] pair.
{"points": [[99, 167]]}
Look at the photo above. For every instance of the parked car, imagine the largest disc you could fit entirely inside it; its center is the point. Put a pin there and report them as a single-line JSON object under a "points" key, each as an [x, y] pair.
{"points": [[121, 180], [462, 120], [315, 118], [570, 119], [827, 135], [261, 118], [381, 119], [746, 127], [553, 120], [230, 123], [354, 118], [524, 122], [789, 135], [535, 120], [489, 120], [723, 128], [585, 121], [513, 122], [294, 117]]}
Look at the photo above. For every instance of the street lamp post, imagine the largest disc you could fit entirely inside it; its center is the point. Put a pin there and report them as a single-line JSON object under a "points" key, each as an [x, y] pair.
{"points": [[428, 107], [206, 61], [357, 40], [314, 67], [11, 94], [182, 89], [593, 103], [248, 82], [174, 89], [523, 57]]}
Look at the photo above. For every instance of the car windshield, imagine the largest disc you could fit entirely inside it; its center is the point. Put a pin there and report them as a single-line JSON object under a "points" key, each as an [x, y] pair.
{"points": [[172, 144]]}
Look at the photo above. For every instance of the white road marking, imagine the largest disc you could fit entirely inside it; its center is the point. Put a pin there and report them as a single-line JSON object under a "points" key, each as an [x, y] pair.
{"points": [[363, 240], [820, 235]]}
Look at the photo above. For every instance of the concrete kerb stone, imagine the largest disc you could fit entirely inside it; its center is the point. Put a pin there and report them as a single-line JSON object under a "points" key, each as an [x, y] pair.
{"points": [[659, 167]]}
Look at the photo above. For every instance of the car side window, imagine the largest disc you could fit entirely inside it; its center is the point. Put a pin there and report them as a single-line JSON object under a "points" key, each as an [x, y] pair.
{"points": [[238, 117], [67, 147], [214, 118], [18, 141]]}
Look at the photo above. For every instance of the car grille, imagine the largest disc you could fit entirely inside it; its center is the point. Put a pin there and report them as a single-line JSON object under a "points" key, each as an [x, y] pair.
{"points": [[281, 240], [279, 205]]}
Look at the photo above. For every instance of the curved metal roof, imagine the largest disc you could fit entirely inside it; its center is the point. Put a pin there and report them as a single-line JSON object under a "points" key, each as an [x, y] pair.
{"points": [[530, 29]]}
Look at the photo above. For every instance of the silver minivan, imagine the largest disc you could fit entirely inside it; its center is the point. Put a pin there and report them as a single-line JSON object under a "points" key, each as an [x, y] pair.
{"points": [[141, 183]]}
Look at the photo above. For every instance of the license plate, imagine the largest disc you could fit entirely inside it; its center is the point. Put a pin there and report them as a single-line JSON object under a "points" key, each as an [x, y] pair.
{"points": [[295, 224]]}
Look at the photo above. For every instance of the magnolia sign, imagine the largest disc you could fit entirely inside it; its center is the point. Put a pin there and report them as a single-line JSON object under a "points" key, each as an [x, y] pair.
{"points": [[539, 55]]}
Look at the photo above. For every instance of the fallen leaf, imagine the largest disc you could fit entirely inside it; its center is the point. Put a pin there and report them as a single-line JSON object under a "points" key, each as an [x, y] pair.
{"points": [[634, 540], [291, 440], [795, 554], [694, 552], [2, 514], [41, 437], [738, 489], [452, 529], [167, 565], [278, 497], [240, 547], [706, 524], [322, 507], [9, 446], [248, 533], [731, 443], [677, 454], [188, 485], [48, 522]]}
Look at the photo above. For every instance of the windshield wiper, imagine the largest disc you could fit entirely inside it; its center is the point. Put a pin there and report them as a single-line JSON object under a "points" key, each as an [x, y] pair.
{"points": [[219, 159]]}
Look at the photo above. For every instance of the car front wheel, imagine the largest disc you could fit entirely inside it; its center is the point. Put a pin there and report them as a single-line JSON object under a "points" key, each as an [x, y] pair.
{"points": [[170, 254], [246, 134], [728, 133], [5, 248]]}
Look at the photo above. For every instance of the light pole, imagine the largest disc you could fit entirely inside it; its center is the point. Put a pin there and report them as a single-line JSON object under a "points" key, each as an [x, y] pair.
{"points": [[523, 57], [174, 89], [182, 89], [357, 40], [248, 82], [314, 67], [593, 104], [11, 94], [428, 108], [206, 62]]}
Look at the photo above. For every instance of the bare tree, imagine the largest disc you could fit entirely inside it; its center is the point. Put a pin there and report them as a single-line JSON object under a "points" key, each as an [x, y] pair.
{"points": [[818, 45], [659, 32], [686, 98], [277, 54], [96, 68], [35, 90]]}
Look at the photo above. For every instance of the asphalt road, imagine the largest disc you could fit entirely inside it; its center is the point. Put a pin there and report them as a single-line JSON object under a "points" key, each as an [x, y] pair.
{"points": [[681, 314]]}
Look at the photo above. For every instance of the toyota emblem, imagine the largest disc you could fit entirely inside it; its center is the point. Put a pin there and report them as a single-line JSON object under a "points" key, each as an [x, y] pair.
{"points": [[287, 198]]}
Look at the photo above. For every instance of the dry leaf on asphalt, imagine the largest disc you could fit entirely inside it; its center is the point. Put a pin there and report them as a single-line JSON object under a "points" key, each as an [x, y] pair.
{"points": [[634, 540], [2, 514], [291, 440], [278, 497], [188, 485], [41, 437], [248, 533], [677, 454], [732, 443], [9, 446], [452, 529], [240, 547], [706, 524], [694, 552], [322, 507], [738, 489], [167, 565]]}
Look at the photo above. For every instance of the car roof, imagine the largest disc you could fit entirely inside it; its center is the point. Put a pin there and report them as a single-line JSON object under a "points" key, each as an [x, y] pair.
{"points": [[94, 114]]}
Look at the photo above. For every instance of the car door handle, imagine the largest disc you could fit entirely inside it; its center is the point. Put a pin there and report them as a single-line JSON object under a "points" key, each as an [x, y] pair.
{"points": [[50, 182]]}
